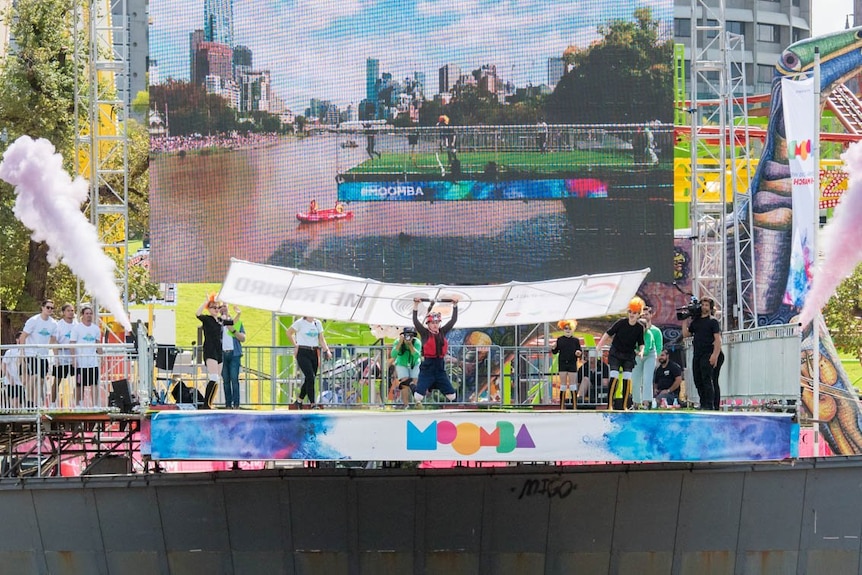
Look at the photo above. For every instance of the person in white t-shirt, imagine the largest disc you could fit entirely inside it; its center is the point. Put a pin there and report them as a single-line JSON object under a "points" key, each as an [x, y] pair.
{"points": [[13, 376], [63, 366], [306, 335], [38, 330], [86, 359]]}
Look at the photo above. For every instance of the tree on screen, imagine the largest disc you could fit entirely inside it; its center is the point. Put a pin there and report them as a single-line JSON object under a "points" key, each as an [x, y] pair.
{"points": [[626, 77]]}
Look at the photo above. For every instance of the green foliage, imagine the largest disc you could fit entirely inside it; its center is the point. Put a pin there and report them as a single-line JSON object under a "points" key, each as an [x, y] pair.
{"points": [[37, 78], [140, 286], [403, 121], [624, 78], [37, 98], [430, 111], [141, 103], [840, 312], [14, 239], [190, 110], [472, 106], [139, 180]]}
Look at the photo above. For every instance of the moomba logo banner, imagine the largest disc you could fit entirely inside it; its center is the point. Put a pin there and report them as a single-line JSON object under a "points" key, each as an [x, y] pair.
{"points": [[467, 438], [799, 117], [465, 189], [494, 435]]}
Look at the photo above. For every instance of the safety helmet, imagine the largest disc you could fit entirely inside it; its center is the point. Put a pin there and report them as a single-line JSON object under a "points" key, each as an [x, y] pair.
{"points": [[433, 316]]}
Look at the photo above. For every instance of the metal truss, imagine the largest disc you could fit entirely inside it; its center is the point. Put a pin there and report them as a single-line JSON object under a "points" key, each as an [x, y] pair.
{"points": [[101, 30], [718, 99]]}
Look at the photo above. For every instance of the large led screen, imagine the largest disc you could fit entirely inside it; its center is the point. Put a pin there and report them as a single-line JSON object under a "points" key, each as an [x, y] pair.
{"points": [[412, 141]]}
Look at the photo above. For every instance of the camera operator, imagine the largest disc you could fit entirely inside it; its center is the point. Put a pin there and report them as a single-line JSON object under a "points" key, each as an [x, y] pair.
{"points": [[706, 338]]}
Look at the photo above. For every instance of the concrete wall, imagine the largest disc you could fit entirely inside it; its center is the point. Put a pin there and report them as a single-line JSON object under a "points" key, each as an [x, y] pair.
{"points": [[800, 517]]}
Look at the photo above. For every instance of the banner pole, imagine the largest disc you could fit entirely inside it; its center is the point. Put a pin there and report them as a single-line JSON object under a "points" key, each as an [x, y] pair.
{"points": [[815, 327]]}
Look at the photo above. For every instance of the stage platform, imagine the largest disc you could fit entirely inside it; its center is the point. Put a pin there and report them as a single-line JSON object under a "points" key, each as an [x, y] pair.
{"points": [[41, 444], [70, 443]]}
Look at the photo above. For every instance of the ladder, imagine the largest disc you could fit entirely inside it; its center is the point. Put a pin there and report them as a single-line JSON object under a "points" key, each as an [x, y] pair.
{"points": [[847, 108]]}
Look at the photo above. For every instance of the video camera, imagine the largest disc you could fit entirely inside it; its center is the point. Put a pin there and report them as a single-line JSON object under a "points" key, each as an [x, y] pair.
{"points": [[691, 310]]}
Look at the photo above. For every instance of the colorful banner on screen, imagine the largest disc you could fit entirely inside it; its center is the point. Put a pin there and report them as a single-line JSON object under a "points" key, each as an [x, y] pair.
{"points": [[444, 190], [445, 435], [799, 114]]}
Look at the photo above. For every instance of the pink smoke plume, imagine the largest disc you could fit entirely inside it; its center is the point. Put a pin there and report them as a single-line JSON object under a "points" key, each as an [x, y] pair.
{"points": [[49, 204], [842, 238]]}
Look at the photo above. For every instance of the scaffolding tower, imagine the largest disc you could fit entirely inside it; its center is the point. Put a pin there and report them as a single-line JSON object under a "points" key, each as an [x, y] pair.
{"points": [[721, 216], [101, 41]]}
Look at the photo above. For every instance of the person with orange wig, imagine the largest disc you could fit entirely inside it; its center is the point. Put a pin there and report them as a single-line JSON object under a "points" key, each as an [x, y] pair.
{"points": [[569, 349], [212, 324], [626, 337]]}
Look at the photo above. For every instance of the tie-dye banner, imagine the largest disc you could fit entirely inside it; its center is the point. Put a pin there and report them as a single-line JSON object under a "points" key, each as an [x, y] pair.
{"points": [[799, 114], [443, 435]]}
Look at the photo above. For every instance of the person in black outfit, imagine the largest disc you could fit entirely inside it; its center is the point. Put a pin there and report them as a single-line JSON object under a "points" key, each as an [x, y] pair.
{"points": [[667, 379], [369, 139], [448, 139], [595, 377], [707, 357], [569, 349], [413, 140], [627, 342], [213, 325]]}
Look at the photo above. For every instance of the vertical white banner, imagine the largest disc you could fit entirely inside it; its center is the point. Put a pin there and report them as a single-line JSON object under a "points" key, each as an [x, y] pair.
{"points": [[799, 122]]}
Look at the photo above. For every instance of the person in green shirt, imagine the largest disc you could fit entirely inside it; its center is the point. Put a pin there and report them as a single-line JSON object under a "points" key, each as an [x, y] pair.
{"points": [[645, 366], [407, 353], [233, 337]]}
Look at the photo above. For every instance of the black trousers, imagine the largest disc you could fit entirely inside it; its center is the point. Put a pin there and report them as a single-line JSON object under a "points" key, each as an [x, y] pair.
{"points": [[308, 361], [706, 380]]}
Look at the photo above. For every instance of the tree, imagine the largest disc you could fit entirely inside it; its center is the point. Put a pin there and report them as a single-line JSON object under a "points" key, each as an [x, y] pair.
{"points": [[841, 315], [141, 103], [37, 81], [190, 110], [37, 97], [626, 77], [139, 180]]}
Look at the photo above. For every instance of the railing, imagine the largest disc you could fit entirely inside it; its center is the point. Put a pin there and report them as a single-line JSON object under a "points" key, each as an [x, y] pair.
{"points": [[528, 148], [761, 364], [356, 375], [43, 378]]}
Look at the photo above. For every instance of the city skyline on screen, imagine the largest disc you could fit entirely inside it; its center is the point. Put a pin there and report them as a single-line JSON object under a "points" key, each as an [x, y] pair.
{"points": [[320, 50], [589, 191]]}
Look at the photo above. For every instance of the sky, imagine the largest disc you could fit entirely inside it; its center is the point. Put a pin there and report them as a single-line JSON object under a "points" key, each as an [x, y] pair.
{"points": [[318, 48], [830, 15]]}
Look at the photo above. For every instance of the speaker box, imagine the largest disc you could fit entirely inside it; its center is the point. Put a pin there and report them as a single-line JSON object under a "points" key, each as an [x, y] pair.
{"points": [[120, 396], [109, 465], [166, 356]]}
